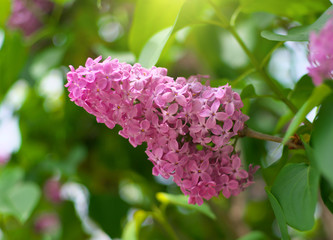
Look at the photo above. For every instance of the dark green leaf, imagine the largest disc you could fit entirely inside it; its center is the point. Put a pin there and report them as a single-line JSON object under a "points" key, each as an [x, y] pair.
{"points": [[248, 92], [280, 218], [322, 139], [181, 200], [315, 99], [296, 190], [273, 170], [299, 33], [302, 91], [326, 191]]}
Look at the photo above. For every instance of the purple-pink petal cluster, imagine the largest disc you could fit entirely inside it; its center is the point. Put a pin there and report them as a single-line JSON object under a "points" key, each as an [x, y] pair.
{"points": [[188, 127], [321, 54], [27, 15]]}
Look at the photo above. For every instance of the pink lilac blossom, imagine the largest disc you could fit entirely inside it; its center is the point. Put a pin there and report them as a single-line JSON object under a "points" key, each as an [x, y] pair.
{"points": [[174, 117], [52, 188], [27, 15], [47, 223], [321, 54]]}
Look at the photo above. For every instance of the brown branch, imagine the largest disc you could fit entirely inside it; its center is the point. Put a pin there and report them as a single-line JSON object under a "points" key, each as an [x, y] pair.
{"points": [[247, 132]]}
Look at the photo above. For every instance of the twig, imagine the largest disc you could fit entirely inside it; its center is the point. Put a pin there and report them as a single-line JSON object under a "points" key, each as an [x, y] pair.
{"points": [[247, 132]]}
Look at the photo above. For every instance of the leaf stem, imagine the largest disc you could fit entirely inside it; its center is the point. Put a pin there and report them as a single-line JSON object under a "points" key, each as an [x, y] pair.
{"points": [[247, 132]]}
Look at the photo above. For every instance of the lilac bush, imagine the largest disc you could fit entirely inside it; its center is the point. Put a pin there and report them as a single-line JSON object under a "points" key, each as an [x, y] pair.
{"points": [[188, 127], [27, 15]]}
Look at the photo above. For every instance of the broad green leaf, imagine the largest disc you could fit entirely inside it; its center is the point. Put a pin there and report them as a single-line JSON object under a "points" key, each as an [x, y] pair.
{"points": [[4, 12], [23, 198], [315, 99], [248, 92], [154, 47], [302, 91], [289, 8], [9, 177], [322, 139], [181, 200], [326, 191], [296, 190], [299, 33], [132, 228], [273, 170], [191, 12], [255, 235], [150, 17], [279, 215]]}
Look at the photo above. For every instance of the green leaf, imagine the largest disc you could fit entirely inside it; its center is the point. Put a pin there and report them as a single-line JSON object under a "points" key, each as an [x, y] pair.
{"points": [[280, 218], [23, 198], [150, 17], [248, 92], [255, 235], [289, 8], [296, 190], [326, 192], [189, 12], [322, 139], [154, 47], [299, 33], [302, 91], [315, 99], [132, 228], [271, 172], [9, 177], [181, 200], [4, 12]]}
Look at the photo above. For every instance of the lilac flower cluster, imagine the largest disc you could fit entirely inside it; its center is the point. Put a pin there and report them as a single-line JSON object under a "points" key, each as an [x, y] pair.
{"points": [[27, 14], [321, 54], [187, 126]]}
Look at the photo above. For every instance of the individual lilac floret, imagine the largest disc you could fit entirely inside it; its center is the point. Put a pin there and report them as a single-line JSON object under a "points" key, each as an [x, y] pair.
{"points": [[188, 127], [321, 54], [27, 15]]}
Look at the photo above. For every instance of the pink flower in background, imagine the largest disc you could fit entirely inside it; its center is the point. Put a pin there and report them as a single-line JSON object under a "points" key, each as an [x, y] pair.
{"points": [[321, 54], [173, 116], [47, 223], [52, 189], [27, 15]]}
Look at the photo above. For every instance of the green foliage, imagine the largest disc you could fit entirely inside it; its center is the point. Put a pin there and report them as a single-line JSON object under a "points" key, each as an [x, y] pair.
{"points": [[322, 138], [299, 33], [4, 11], [315, 99], [18, 198], [288, 8], [296, 190], [181, 200], [279, 214]]}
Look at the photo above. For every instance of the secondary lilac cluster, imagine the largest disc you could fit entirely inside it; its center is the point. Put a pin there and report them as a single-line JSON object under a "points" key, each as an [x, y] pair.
{"points": [[188, 127], [321, 54], [27, 14]]}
